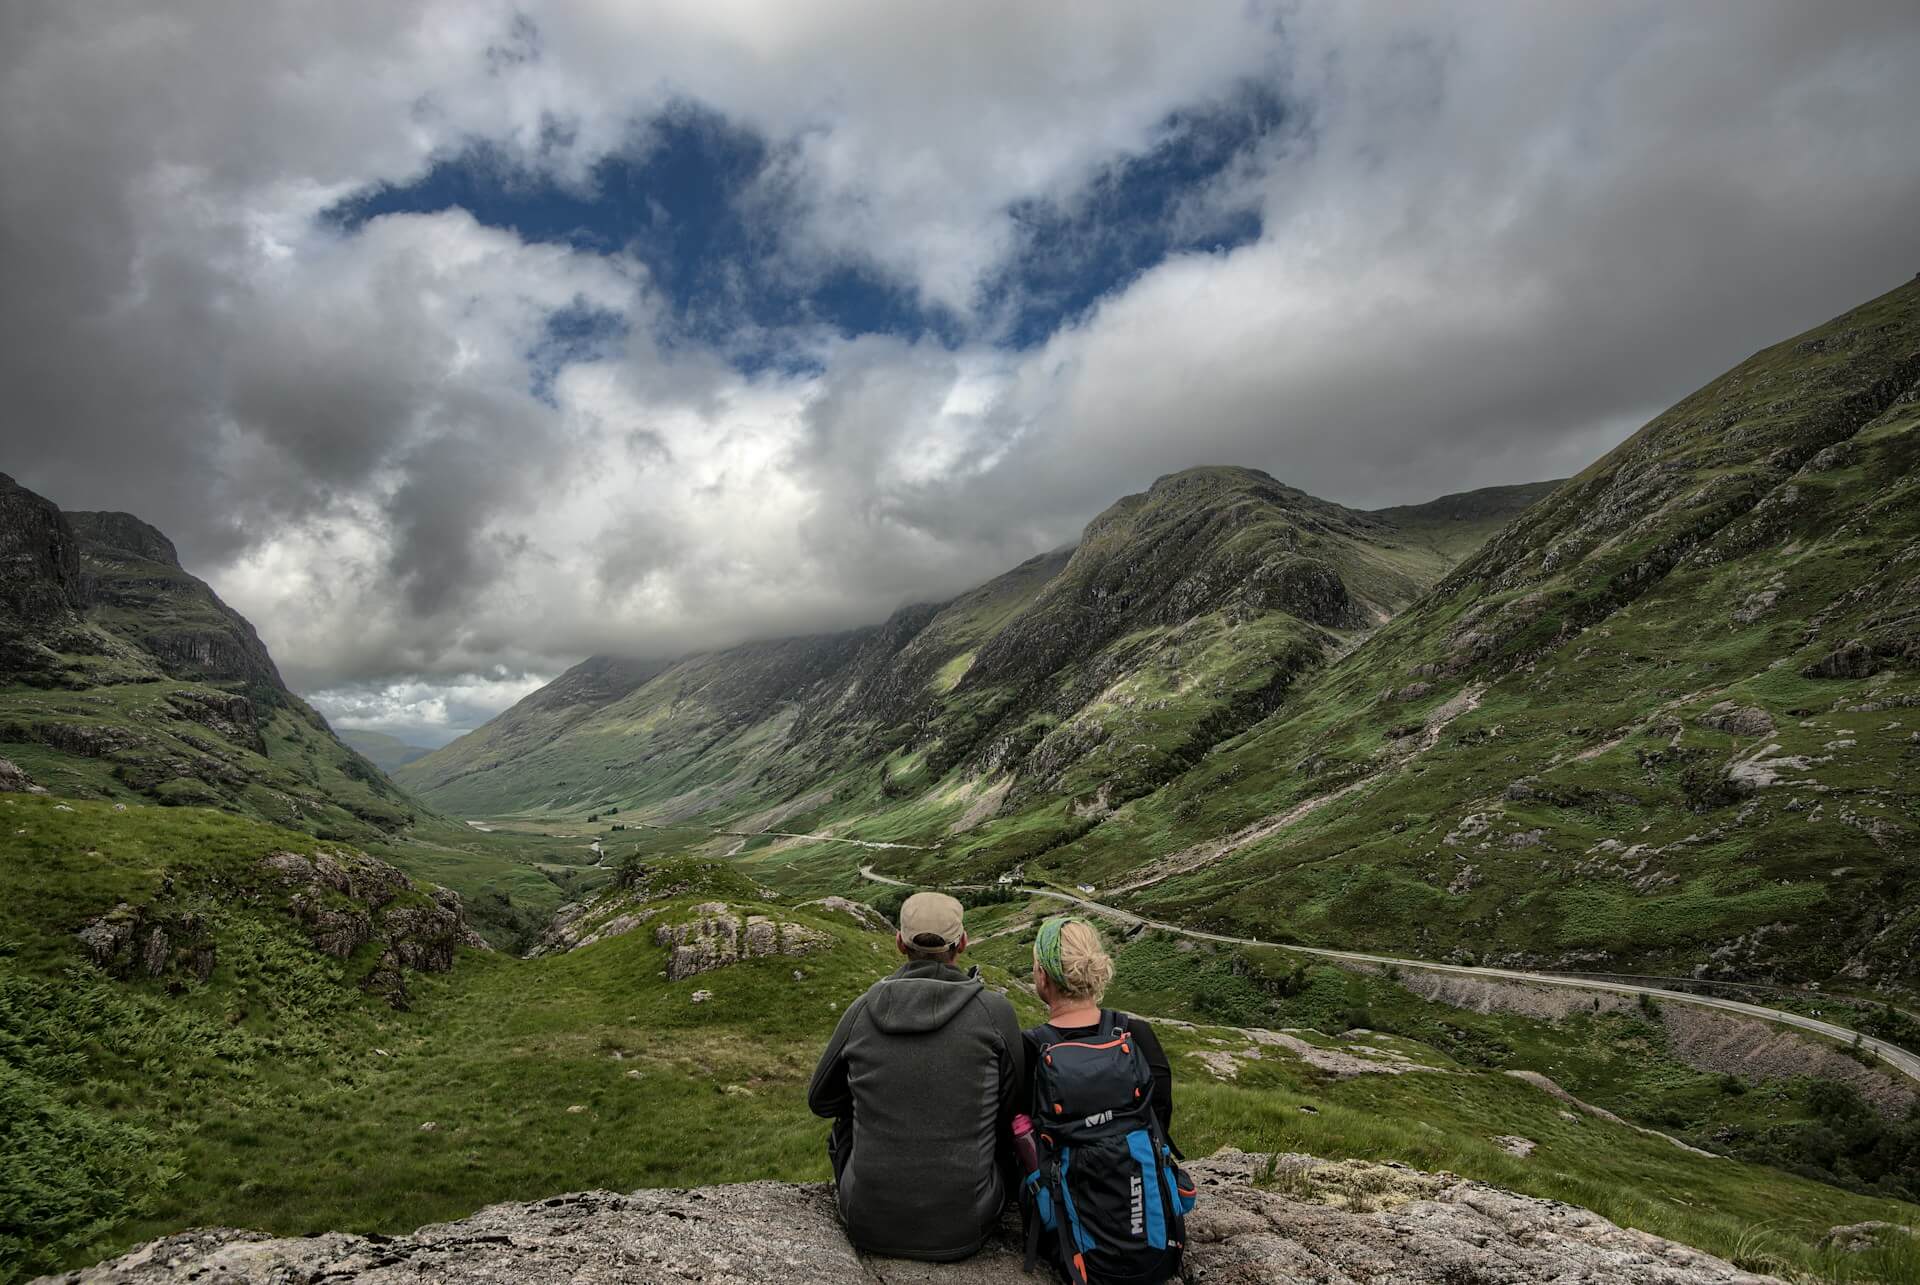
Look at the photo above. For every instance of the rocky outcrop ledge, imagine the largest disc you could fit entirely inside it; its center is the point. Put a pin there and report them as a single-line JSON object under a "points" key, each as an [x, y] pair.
{"points": [[1261, 1218], [720, 934]]}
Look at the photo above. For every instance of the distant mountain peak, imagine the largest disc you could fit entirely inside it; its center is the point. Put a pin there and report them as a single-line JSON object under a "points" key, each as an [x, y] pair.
{"points": [[124, 533]]}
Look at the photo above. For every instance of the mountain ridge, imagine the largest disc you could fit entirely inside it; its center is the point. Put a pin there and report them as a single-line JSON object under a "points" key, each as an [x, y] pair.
{"points": [[1660, 721], [1231, 542]]}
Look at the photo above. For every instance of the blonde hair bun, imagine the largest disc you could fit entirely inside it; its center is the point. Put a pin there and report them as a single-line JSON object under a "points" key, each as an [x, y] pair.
{"points": [[1085, 966]]}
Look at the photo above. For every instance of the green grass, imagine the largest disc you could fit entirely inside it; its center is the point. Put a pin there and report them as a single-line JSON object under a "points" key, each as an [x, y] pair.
{"points": [[276, 1096]]}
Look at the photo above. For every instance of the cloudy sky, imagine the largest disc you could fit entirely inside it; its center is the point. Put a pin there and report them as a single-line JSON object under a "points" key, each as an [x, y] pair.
{"points": [[453, 342]]}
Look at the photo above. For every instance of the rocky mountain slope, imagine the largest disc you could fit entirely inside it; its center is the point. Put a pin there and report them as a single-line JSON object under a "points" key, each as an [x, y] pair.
{"points": [[123, 676], [1260, 1218], [1664, 721], [1181, 617]]}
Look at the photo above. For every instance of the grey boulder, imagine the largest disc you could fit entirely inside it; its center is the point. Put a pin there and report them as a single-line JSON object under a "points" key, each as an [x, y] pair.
{"points": [[1261, 1218]]}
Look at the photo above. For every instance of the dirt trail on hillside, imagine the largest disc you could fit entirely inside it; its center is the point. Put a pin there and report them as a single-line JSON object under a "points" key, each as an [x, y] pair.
{"points": [[1200, 855], [1548, 1086]]}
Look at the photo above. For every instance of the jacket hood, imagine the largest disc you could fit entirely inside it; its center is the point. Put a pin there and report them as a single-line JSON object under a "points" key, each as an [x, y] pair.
{"points": [[921, 996]]}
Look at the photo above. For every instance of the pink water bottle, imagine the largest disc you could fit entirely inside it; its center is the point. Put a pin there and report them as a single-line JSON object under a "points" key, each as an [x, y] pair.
{"points": [[1024, 1149]]}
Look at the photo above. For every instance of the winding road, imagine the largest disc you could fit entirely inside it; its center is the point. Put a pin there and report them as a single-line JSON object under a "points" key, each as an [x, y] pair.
{"points": [[1898, 1058]]}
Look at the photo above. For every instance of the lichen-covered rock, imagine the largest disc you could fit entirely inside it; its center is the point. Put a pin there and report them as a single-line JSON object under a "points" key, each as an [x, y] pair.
{"points": [[343, 900], [334, 930], [863, 914], [1347, 1222], [419, 939], [1738, 720], [106, 936], [582, 923], [720, 934], [1852, 659], [349, 874], [14, 780], [142, 941], [1857, 1238], [1765, 767]]}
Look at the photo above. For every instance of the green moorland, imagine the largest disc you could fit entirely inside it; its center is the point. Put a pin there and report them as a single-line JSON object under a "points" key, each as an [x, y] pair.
{"points": [[1017, 714], [1663, 721], [275, 1094], [288, 771]]}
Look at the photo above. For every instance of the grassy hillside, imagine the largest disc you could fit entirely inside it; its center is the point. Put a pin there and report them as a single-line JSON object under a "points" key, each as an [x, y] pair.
{"points": [[161, 969], [1663, 721], [683, 736], [272, 1092], [1455, 526]]}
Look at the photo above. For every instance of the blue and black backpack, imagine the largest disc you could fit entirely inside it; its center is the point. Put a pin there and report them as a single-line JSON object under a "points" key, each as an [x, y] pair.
{"points": [[1108, 1191]]}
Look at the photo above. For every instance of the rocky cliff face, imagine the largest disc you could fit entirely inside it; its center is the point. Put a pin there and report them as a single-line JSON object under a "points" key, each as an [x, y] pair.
{"points": [[41, 584], [144, 595], [124, 676], [39, 556], [1280, 1218]]}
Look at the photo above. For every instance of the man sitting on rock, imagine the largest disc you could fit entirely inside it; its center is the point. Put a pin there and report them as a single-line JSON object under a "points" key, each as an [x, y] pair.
{"points": [[922, 1079]]}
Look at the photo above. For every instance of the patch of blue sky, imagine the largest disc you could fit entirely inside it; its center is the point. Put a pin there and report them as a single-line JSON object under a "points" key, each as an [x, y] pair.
{"points": [[683, 201], [1137, 212], [692, 200]]}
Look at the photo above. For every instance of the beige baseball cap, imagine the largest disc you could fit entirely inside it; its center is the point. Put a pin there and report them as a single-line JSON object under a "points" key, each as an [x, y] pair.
{"points": [[930, 914]]}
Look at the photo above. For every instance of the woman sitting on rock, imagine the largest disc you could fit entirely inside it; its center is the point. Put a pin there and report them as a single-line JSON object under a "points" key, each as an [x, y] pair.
{"points": [[1107, 1188]]}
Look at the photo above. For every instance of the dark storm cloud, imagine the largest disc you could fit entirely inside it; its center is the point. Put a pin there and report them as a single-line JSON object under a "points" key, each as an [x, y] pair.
{"points": [[931, 288]]}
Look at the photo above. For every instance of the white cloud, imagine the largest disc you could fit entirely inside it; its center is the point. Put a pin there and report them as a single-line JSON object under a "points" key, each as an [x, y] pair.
{"points": [[1495, 238]]}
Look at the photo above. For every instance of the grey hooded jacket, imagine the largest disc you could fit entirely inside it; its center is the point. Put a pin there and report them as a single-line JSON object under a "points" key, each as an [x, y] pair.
{"points": [[931, 1067]]}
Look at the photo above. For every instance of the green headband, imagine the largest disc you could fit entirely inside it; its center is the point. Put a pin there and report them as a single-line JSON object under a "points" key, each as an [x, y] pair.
{"points": [[1046, 947]]}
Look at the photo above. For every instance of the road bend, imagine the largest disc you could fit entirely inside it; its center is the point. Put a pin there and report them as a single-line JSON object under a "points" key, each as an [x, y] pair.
{"points": [[1898, 1058]]}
